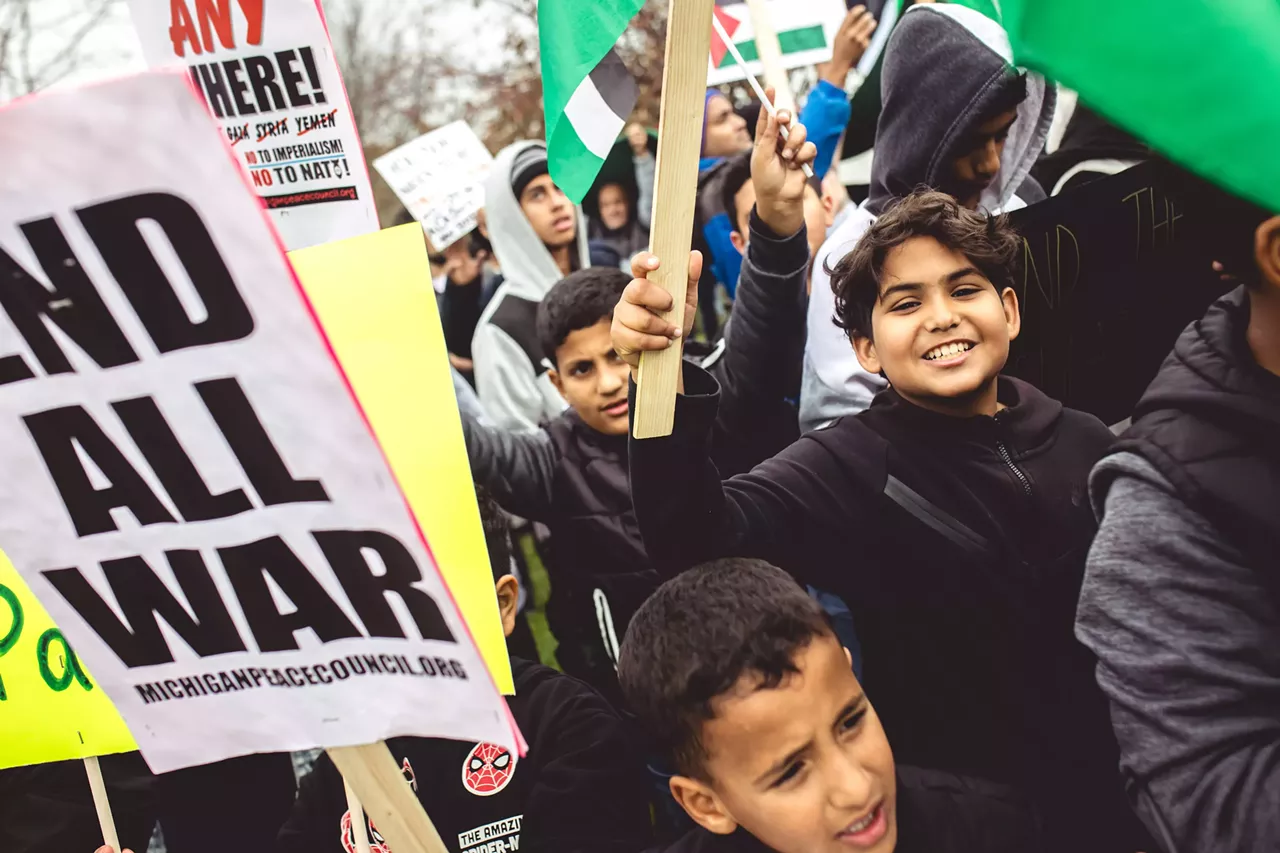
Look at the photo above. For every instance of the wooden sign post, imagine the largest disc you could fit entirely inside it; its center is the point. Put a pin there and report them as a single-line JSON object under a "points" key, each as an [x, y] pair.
{"points": [[389, 802], [101, 804], [770, 53], [675, 191]]}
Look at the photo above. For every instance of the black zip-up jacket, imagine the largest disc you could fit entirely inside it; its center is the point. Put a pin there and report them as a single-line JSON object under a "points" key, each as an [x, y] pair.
{"points": [[580, 788], [959, 545], [937, 813], [574, 479]]}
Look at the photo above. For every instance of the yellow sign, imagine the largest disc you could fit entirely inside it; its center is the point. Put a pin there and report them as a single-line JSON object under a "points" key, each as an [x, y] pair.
{"points": [[50, 708], [374, 298]]}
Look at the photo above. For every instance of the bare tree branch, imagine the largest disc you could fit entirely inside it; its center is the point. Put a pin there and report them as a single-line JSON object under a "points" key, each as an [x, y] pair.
{"points": [[39, 47]]}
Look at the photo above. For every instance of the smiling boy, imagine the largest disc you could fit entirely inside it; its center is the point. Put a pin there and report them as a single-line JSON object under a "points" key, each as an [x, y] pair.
{"points": [[952, 515], [736, 676]]}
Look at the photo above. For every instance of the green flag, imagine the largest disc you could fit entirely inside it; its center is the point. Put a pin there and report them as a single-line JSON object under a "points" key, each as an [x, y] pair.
{"points": [[587, 93], [1198, 80]]}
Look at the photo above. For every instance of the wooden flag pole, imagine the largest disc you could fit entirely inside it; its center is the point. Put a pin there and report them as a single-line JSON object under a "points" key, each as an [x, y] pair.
{"points": [[389, 801], [770, 53], [359, 831], [684, 82], [101, 804]]}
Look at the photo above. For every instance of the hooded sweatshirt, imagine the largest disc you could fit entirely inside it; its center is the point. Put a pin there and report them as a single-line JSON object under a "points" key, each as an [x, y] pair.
{"points": [[511, 376], [944, 67], [1181, 601]]}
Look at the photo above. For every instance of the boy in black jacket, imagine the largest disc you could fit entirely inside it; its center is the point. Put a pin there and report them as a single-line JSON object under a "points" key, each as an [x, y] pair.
{"points": [[572, 475], [952, 514], [580, 788], [1181, 600], [737, 676]]}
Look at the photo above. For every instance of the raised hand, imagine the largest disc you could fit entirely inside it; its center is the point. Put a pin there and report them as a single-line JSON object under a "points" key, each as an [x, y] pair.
{"points": [[776, 170], [850, 43], [637, 326]]}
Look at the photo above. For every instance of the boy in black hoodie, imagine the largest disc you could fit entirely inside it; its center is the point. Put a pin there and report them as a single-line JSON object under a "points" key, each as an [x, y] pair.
{"points": [[580, 788], [572, 474], [738, 678], [952, 514], [1181, 600]]}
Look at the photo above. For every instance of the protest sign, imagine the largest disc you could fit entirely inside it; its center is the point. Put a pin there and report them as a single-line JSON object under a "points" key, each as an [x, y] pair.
{"points": [[387, 337], [51, 709], [805, 28], [190, 488], [1111, 274], [267, 72], [440, 178]]}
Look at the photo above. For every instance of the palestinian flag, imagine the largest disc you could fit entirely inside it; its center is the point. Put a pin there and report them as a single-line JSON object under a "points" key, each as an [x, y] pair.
{"points": [[805, 30], [587, 93], [718, 48], [1196, 80]]}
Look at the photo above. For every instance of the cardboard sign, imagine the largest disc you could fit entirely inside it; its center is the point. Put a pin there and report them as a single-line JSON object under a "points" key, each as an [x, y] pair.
{"points": [[1111, 275], [805, 32], [50, 707], [440, 178], [388, 338], [267, 72], [190, 487]]}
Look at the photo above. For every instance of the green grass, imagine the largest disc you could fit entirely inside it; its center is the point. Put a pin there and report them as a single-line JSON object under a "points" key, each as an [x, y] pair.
{"points": [[539, 593]]}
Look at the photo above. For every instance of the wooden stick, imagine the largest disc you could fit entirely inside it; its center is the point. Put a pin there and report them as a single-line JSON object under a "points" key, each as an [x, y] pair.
{"points": [[770, 52], [101, 804], [684, 79], [359, 832], [757, 88], [387, 798]]}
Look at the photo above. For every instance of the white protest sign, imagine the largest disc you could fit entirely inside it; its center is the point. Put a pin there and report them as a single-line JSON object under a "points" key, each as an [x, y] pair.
{"points": [[189, 485], [440, 178], [806, 29], [267, 71]]}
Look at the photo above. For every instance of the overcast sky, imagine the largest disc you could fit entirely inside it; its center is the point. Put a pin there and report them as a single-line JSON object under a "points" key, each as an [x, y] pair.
{"points": [[112, 49]]}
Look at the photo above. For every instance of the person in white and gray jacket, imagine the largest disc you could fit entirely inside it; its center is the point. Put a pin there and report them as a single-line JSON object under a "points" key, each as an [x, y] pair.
{"points": [[538, 238]]}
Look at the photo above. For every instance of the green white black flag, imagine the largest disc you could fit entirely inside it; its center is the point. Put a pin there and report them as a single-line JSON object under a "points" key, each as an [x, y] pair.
{"points": [[587, 92]]}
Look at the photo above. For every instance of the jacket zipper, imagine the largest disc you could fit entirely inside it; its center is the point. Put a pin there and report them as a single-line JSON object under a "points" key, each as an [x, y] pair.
{"points": [[1008, 460]]}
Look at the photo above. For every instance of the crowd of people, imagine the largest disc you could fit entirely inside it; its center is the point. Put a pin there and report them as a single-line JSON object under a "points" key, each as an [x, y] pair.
{"points": [[872, 593]]}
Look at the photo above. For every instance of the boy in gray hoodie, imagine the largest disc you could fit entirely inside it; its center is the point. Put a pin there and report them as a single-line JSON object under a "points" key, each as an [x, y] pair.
{"points": [[538, 238]]}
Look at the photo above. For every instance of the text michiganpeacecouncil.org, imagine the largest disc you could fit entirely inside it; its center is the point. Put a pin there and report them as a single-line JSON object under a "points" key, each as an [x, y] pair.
{"points": [[339, 669]]}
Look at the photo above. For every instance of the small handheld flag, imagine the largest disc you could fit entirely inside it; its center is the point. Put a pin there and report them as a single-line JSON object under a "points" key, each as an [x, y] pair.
{"points": [[755, 84]]}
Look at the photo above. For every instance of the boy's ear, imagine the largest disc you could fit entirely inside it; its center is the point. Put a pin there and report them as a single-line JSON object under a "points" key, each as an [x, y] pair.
{"points": [[738, 242], [1012, 312], [508, 590], [865, 350], [554, 376], [1266, 250], [702, 804]]}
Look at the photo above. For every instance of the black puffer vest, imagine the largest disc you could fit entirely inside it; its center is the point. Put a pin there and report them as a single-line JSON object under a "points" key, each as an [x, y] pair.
{"points": [[1210, 423]]}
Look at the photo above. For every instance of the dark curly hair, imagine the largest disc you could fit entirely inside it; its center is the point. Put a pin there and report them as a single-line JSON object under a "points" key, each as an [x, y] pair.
{"points": [[988, 242], [578, 301], [698, 635]]}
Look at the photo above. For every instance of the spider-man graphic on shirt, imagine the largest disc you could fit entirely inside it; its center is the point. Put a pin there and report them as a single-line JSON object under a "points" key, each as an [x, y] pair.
{"points": [[488, 769]]}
